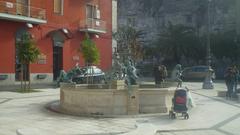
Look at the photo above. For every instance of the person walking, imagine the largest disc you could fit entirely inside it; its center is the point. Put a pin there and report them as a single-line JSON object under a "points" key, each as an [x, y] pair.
{"points": [[156, 75], [229, 80], [236, 76], [163, 73], [190, 102]]}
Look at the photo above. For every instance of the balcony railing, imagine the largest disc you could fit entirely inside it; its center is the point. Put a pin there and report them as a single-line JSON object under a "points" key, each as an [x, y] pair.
{"points": [[20, 12], [93, 25]]}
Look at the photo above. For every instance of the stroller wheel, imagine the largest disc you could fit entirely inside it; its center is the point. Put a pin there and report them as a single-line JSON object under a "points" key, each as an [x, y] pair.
{"points": [[186, 116], [174, 116]]}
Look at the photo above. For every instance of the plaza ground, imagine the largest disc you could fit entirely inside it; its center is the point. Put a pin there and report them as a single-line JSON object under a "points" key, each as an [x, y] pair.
{"points": [[27, 114]]}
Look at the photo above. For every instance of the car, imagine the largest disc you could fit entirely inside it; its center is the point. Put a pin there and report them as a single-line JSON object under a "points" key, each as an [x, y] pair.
{"points": [[89, 74], [196, 73]]}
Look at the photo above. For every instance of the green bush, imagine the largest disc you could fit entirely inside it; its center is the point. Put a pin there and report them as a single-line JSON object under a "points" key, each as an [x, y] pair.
{"points": [[89, 51]]}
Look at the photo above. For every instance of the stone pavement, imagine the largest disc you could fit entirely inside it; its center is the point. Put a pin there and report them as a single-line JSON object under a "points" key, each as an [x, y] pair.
{"points": [[26, 114]]}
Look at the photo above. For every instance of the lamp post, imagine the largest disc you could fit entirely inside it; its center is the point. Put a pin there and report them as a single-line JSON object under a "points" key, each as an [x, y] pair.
{"points": [[208, 83], [208, 54]]}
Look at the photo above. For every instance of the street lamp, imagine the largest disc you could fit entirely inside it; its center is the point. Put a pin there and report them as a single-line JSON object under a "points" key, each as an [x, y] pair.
{"points": [[208, 36], [208, 83]]}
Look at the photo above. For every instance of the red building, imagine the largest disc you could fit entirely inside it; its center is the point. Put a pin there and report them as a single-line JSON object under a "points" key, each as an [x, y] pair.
{"points": [[58, 27]]}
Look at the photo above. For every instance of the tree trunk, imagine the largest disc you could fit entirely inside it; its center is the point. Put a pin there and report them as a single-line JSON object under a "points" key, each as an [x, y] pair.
{"points": [[21, 76], [91, 75], [87, 76], [29, 71], [25, 79]]}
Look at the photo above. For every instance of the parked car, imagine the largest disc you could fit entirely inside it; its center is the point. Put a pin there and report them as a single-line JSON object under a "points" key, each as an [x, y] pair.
{"points": [[90, 73], [196, 73]]}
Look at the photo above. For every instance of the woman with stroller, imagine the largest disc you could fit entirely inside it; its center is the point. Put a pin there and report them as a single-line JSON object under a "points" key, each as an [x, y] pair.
{"points": [[190, 102], [182, 102]]}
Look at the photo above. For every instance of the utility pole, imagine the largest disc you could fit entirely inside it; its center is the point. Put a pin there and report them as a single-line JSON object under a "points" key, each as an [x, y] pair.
{"points": [[238, 16], [208, 83], [208, 57]]}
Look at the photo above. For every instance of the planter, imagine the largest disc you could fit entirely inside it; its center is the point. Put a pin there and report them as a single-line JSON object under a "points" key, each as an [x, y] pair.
{"points": [[41, 76], [3, 77]]}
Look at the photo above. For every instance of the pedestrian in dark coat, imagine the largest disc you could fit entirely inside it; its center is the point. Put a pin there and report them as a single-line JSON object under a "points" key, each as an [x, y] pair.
{"points": [[236, 76], [156, 75], [163, 73], [229, 80]]}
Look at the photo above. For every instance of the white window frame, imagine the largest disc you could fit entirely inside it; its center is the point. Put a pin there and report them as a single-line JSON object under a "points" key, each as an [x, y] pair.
{"points": [[97, 13], [62, 7]]}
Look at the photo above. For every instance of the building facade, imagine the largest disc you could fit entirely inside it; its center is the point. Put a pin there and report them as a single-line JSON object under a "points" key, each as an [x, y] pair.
{"points": [[58, 27]]}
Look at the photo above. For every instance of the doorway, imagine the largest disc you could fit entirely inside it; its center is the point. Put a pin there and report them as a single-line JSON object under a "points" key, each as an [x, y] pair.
{"points": [[58, 42], [57, 61]]}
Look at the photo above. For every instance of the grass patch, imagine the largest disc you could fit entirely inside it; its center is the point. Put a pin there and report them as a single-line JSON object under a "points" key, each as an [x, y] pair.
{"points": [[27, 91]]}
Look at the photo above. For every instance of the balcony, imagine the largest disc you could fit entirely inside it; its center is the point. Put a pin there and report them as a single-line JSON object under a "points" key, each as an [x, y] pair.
{"points": [[92, 25], [22, 13]]}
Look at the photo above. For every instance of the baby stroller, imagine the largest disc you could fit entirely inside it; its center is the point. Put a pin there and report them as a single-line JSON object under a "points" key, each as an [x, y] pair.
{"points": [[179, 104]]}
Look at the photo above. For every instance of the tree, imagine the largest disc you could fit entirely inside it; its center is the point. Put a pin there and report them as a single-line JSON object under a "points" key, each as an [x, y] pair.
{"points": [[225, 44], [89, 51], [129, 42], [27, 53], [177, 41]]}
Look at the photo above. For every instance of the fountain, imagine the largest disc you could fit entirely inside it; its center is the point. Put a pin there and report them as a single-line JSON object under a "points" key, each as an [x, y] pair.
{"points": [[120, 96]]}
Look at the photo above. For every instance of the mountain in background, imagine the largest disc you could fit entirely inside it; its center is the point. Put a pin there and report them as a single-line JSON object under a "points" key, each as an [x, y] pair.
{"points": [[152, 16]]}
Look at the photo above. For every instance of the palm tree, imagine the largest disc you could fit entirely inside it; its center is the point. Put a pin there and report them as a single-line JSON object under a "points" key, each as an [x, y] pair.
{"points": [[129, 42], [27, 54], [179, 40], [225, 44]]}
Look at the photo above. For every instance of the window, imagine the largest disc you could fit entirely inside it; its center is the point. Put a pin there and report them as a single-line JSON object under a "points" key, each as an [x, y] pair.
{"points": [[97, 71], [22, 7], [93, 12], [58, 7]]}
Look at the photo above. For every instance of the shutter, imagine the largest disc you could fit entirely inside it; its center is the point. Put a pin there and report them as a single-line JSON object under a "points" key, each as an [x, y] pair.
{"points": [[97, 13], [57, 6]]}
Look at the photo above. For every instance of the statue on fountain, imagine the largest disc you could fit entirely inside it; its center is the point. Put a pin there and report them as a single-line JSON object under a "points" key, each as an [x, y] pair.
{"points": [[67, 76], [177, 75], [131, 75], [118, 70]]}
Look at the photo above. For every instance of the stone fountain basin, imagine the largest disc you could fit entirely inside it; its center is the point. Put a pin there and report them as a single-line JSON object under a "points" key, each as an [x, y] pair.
{"points": [[103, 100]]}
